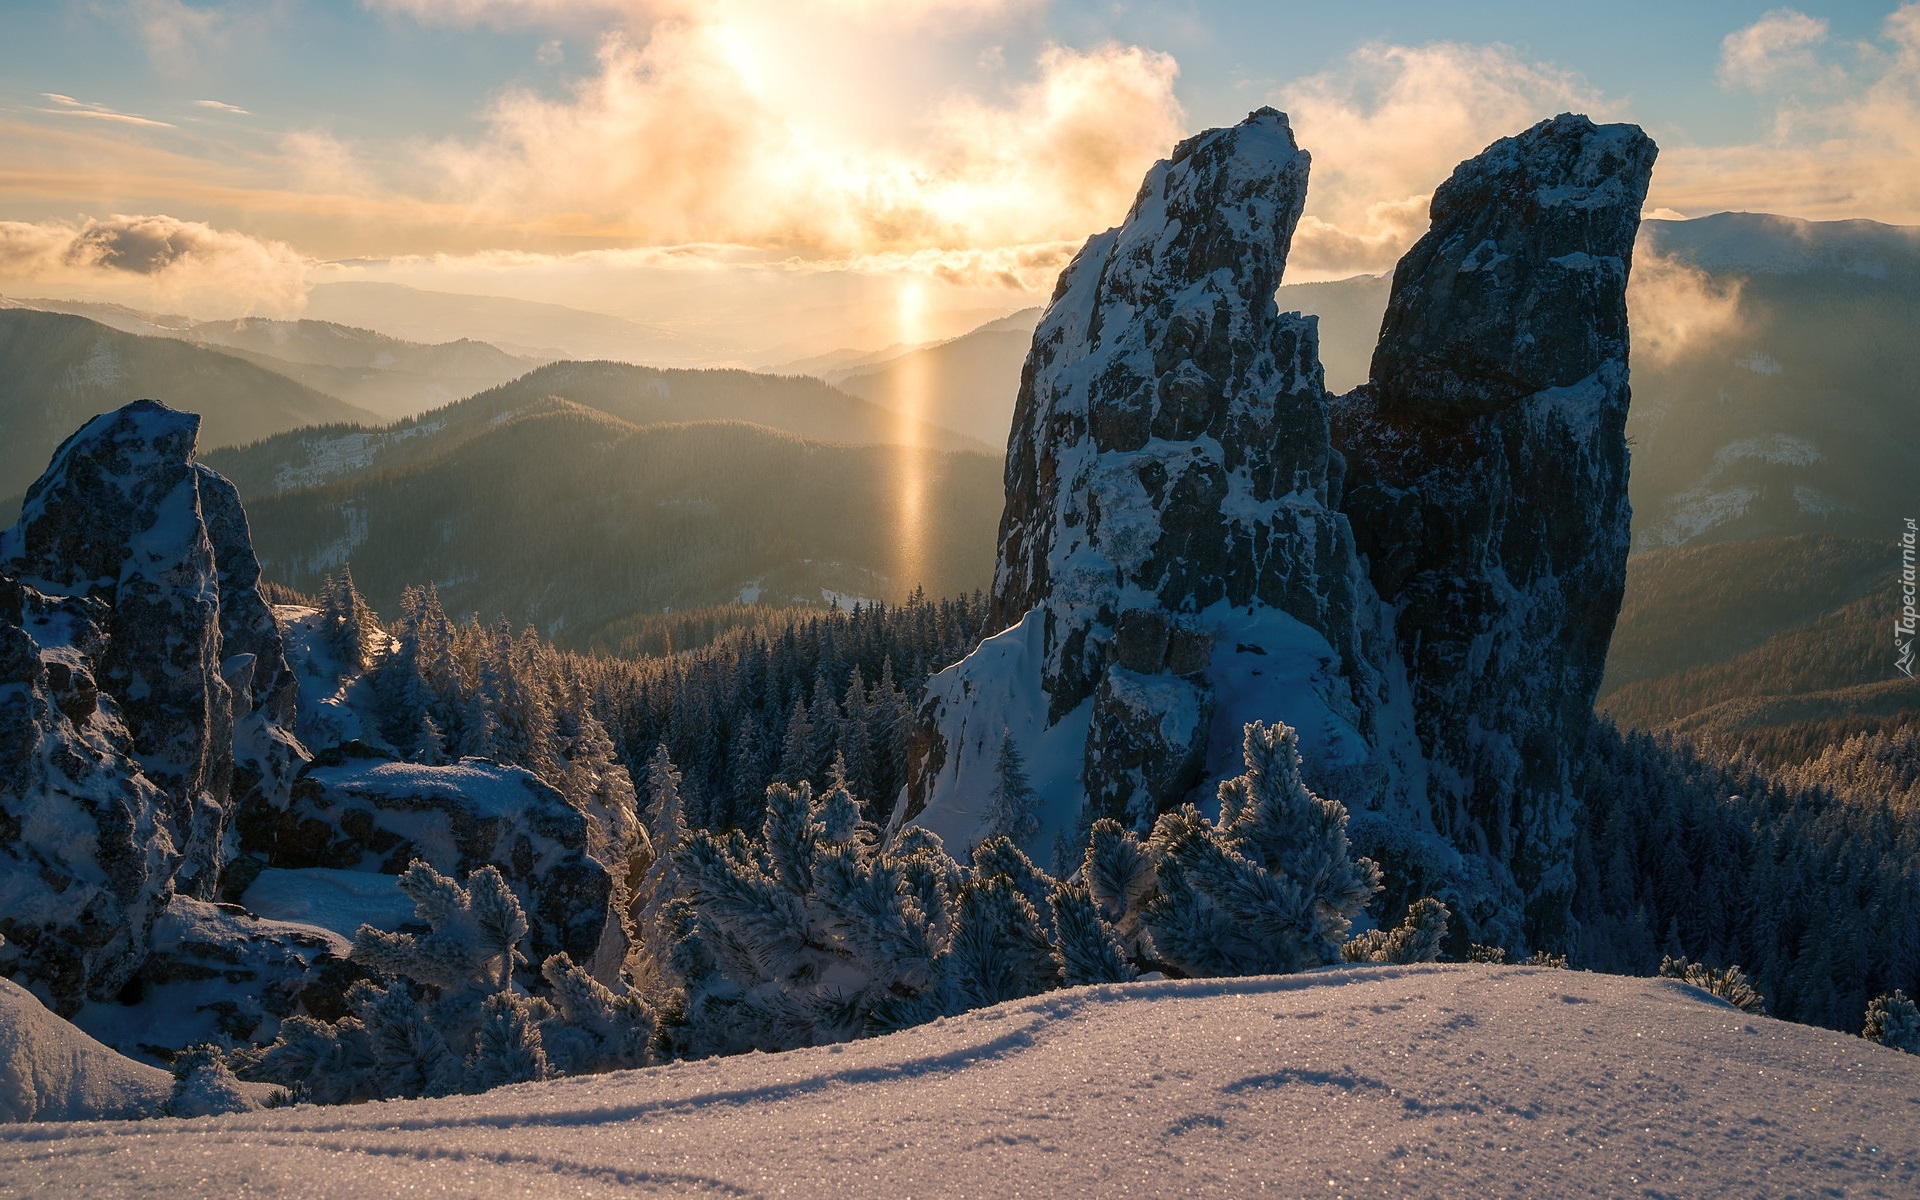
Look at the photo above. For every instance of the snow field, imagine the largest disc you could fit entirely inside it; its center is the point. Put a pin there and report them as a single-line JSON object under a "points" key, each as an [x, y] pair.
{"points": [[1436, 1080]]}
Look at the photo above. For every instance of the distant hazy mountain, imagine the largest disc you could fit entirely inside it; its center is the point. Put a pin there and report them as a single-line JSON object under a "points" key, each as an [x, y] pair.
{"points": [[58, 370], [967, 384], [560, 514], [636, 395], [523, 327], [382, 374]]}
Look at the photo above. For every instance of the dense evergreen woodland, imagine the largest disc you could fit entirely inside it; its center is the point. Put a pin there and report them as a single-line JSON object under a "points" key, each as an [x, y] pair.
{"points": [[744, 789]]}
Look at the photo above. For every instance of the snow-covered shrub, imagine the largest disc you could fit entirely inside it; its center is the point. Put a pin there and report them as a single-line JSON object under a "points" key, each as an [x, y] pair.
{"points": [[1271, 888], [1893, 1020], [814, 932], [1415, 940], [1477, 953], [204, 1086], [452, 1016], [1730, 984], [1087, 949], [474, 938], [792, 938], [594, 1028], [508, 1048]]}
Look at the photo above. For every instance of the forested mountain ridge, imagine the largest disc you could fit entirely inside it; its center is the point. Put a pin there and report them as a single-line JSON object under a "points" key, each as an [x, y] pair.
{"points": [[1774, 646], [799, 405], [572, 519], [386, 375], [57, 370]]}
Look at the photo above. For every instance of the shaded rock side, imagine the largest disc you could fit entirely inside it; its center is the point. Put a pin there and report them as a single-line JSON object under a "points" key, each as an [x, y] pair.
{"points": [[218, 973], [369, 814], [86, 856], [1487, 487], [1170, 500], [135, 638]]}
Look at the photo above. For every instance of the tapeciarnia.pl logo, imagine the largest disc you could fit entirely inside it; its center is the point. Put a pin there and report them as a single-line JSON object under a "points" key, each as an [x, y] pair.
{"points": [[1904, 623]]}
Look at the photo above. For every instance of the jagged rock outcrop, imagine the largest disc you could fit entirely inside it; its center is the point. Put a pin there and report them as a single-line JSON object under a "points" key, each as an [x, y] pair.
{"points": [[217, 973], [1420, 578], [120, 586], [1171, 534], [1487, 482], [86, 855], [366, 813]]}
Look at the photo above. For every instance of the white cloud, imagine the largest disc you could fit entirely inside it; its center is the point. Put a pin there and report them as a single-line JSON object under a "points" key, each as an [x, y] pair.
{"points": [[222, 106], [1389, 124], [160, 261], [67, 106], [670, 141], [1851, 148], [1672, 305], [1779, 42]]}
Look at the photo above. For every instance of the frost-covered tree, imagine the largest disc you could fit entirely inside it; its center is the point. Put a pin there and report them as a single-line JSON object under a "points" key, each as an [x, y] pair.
{"points": [[1893, 1020], [1012, 802], [1729, 984], [349, 623], [1416, 939], [1271, 887], [474, 936], [814, 932]]}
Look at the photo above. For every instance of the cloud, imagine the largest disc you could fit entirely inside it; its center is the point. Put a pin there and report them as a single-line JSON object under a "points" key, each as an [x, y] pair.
{"points": [[1389, 124], [1778, 42], [175, 33], [1851, 149], [67, 106], [639, 14], [1671, 305], [676, 139], [160, 260], [222, 106]]}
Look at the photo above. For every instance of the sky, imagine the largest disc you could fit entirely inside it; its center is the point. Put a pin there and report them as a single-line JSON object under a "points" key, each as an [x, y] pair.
{"points": [[794, 174]]}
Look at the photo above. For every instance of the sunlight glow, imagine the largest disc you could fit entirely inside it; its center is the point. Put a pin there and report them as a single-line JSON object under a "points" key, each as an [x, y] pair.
{"points": [[912, 532]]}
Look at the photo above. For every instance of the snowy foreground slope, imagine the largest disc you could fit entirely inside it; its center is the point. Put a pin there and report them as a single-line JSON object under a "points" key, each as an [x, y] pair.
{"points": [[1429, 1080]]}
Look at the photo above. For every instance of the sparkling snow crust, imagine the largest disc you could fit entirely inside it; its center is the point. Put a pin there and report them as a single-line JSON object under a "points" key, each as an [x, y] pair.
{"points": [[1437, 1080]]}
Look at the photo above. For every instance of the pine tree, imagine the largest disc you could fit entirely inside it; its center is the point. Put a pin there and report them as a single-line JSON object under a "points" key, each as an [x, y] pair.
{"points": [[349, 625], [1012, 803], [1416, 939], [1893, 1020]]}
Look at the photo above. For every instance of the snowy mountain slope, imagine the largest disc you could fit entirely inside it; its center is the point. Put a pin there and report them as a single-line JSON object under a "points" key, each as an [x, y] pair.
{"points": [[1438, 1080]]}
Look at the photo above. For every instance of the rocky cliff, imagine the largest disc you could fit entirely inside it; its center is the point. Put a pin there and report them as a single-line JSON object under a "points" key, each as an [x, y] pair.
{"points": [[1420, 577], [1487, 483], [135, 641]]}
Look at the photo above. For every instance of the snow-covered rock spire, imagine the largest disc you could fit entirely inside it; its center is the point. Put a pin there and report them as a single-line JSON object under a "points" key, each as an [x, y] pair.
{"points": [[1171, 516], [1487, 484]]}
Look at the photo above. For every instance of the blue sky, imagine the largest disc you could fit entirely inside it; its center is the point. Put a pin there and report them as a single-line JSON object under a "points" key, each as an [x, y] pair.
{"points": [[591, 148]]}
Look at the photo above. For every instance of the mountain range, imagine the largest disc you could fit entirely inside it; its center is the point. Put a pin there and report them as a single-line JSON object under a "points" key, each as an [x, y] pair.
{"points": [[57, 370], [384, 375]]}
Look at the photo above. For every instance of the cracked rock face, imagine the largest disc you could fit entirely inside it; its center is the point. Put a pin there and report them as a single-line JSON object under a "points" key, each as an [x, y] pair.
{"points": [[129, 616], [1420, 577], [1487, 483], [1171, 499]]}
